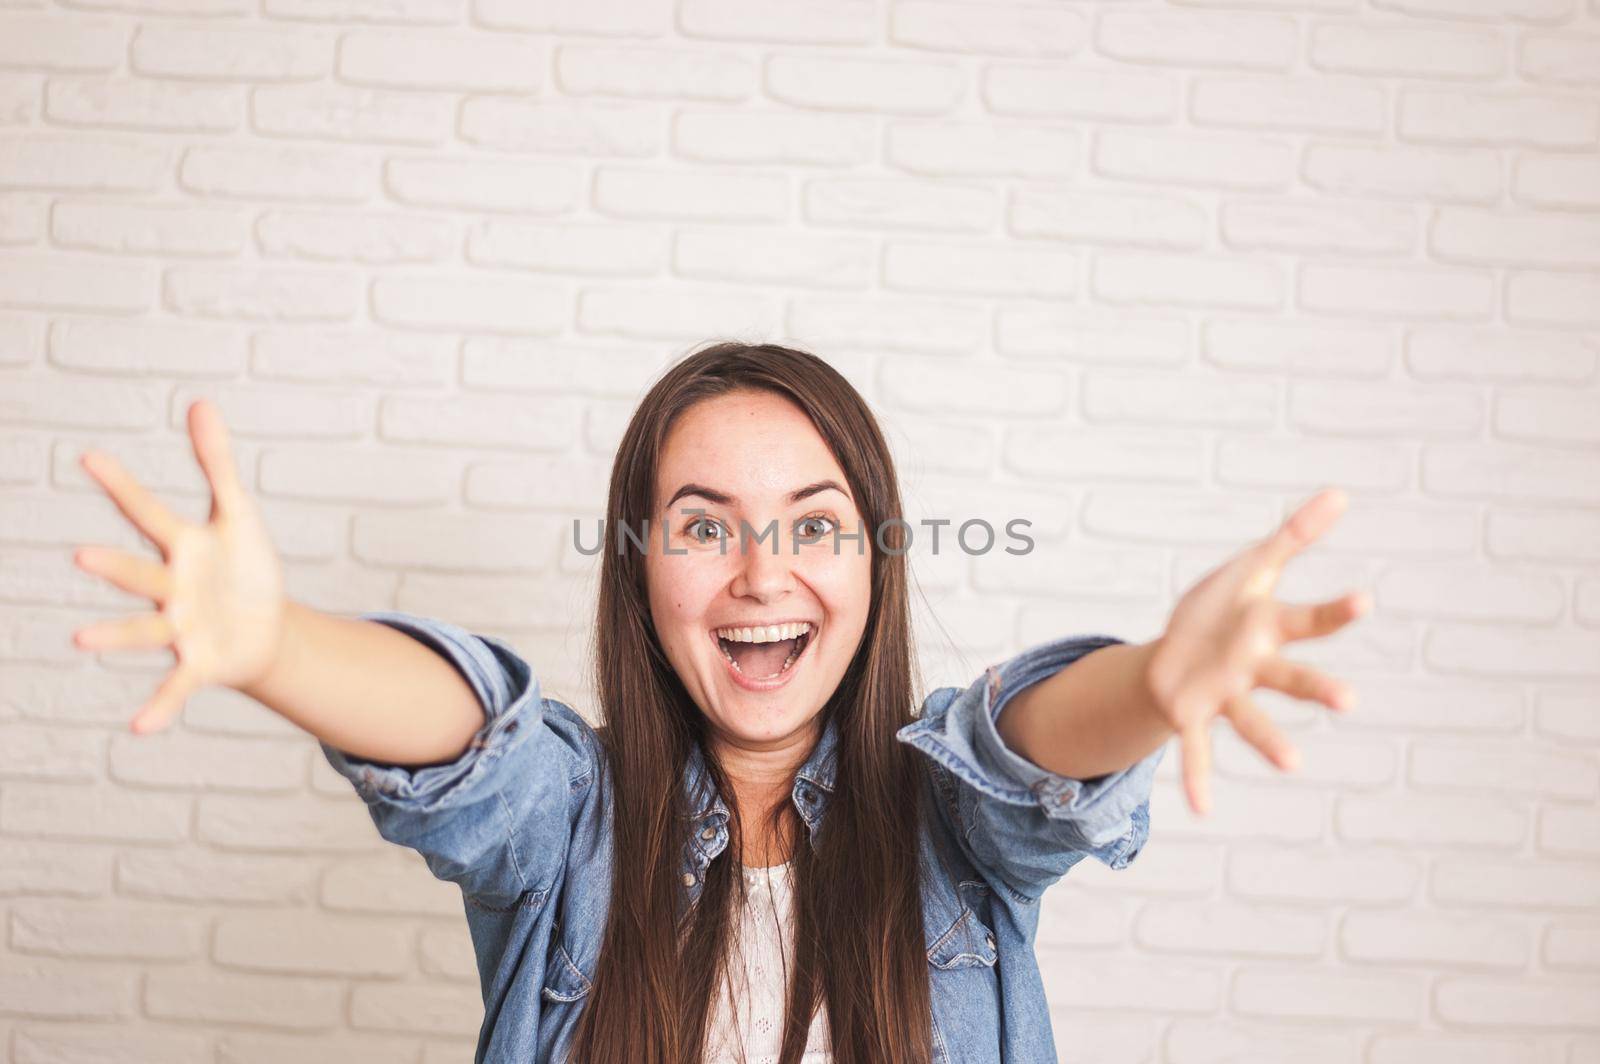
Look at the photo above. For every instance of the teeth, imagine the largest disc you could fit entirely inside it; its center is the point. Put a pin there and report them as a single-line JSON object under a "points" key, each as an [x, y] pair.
{"points": [[771, 633]]}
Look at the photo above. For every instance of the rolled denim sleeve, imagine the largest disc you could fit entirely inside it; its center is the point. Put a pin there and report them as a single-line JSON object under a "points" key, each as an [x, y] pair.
{"points": [[1023, 824], [495, 819]]}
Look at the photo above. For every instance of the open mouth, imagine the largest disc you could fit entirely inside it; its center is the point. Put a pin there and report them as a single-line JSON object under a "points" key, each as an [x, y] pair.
{"points": [[762, 655]]}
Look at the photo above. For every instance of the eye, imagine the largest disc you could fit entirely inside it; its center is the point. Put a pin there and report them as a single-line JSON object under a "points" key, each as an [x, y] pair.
{"points": [[815, 519], [701, 536]]}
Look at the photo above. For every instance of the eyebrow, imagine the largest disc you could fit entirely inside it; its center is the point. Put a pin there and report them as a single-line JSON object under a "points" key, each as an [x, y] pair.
{"points": [[722, 498]]}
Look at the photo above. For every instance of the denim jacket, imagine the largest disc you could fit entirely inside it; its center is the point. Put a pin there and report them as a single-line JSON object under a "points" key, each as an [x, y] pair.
{"points": [[522, 824]]}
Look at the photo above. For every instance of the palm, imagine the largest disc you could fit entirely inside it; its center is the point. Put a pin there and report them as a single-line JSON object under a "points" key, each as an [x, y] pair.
{"points": [[218, 589], [1222, 642]]}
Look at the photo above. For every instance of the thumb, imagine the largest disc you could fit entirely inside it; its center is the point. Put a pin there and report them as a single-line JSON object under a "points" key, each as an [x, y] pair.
{"points": [[214, 452]]}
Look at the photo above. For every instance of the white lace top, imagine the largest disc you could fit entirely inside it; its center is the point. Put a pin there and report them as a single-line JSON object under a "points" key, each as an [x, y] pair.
{"points": [[757, 983]]}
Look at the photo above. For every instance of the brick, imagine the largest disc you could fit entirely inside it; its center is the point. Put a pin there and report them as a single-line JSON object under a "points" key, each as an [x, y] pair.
{"points": [[1450, 175], [917, 326], [603, 18], [1561, 299], [61, 44], [39, 1044], [23, 217], [1497, 355], [1315, 105], [630, 192], [57, 869], [1217, 1040], [1514, 883], [252, 822], [355, 115], [1073, 455], [1569, 715], [559, 368], [1548, 416], [179, 760], [1542, 534], [140, 103], [1347, 408], [1320, 228], [1169, 399], [1396, 291], [1073, 334], [647, 73], [1222, 929], [228, 54], [420, 1009], [367, 356], [824, 22], [278, 173], [201, 876], [1322, 876], [477, 421], [960, 27], [477, 62], [1408, 51], [1153, 985], [150, 229], [1523, 1002], [969, 387], [557, 127], [98, 404], [1570, 944], [1521, 238], [395, 882], [105, 929], [778, 138], [454, 302], [31, 751], [113, 814], [1559, 181], [1106, 95], [302, 943], [900, 203], [655, 312], [983, 148], [447, 953], [371, 238], [262, 294], [1474, 1048], [842, 84], [979, 269], [224, 997], [1564, 58], [459, 542], [1493, 10], [66, 283], [1503, 650], [947, 447], [1318, 995], [1500, 119], [1188, 280], [1569, 830], [1515, 473], [415, 12], [521, 187], [1220, 160], [805, 259], [1304, 350], [1173, 516], [1487, 767], [1198, 38], [49, 988], [1311, 464]]}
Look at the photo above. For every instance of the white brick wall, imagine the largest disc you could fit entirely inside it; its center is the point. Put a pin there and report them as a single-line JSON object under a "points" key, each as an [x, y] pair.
{"points": [[1147, 275]]}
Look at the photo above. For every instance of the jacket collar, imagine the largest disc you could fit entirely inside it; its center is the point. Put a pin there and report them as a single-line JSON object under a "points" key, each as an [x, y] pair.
{"points": [[813, 783]]}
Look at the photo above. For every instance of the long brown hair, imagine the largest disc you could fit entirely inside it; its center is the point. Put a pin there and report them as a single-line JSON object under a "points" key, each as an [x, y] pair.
{"points": [[859, 942]]}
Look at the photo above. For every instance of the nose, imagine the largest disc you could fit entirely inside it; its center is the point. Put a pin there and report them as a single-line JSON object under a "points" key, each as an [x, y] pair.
{"points": [[762, 574]]}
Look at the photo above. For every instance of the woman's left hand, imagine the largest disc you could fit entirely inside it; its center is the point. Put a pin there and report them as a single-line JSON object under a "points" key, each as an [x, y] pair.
{"points": [[1222, 642]]}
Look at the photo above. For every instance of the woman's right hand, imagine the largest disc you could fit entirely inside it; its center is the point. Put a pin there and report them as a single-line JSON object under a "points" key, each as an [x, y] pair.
{"points": [[219, 588]]}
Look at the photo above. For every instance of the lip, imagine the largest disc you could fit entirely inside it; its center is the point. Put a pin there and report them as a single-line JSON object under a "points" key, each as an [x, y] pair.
{"points": [[783, 679]]}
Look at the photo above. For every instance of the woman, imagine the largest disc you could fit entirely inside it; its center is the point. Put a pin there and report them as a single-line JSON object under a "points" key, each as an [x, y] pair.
{"points": [[762, 854]]}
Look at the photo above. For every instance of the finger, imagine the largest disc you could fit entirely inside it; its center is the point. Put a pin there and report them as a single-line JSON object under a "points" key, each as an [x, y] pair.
{"points": [[214, 452], [1302, 528], [167, 702], [1195, 748], [131, 573], [154, 520], [1322, 618], [1302, 681], [1257, 729], [147, 631]]}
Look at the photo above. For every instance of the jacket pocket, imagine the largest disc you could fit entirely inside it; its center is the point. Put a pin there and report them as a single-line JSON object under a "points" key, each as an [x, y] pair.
{"points": [[967, 942], [564, 981]]}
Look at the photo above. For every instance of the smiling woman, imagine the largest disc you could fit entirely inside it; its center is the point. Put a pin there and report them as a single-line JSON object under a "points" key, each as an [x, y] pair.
{"points": [[757, 727]]}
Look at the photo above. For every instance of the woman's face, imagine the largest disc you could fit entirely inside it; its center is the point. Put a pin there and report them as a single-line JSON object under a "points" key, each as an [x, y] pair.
{"points": [[744, 456]]}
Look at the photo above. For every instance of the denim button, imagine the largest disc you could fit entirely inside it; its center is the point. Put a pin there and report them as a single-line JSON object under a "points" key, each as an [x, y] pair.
{"points": [[688, 879], [989, 940], [708, 833]]}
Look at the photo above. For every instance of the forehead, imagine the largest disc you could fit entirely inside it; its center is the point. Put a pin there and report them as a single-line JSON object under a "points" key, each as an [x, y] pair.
{"points": [[752, 445]]}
